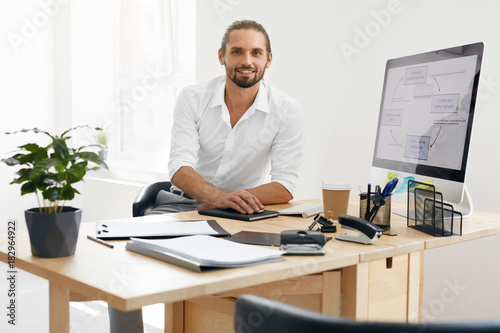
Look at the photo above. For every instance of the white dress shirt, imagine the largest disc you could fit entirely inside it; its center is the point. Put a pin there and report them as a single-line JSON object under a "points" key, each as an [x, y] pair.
{"points": [[269, 137]]}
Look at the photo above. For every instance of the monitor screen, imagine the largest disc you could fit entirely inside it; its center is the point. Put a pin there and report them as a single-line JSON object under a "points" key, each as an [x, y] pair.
{"points": [[426, 113]]}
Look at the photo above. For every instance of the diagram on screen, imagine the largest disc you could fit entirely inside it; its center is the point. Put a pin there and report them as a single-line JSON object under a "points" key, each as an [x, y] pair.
{"points": [[425, 112]]}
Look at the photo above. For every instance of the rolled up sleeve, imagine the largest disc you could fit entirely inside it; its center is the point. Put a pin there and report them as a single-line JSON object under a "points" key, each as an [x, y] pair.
{"points": [[185, 141], [288, 148]]}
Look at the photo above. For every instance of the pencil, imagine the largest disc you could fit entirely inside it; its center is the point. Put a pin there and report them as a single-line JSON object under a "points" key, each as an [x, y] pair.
{"points": [[100, 241]]}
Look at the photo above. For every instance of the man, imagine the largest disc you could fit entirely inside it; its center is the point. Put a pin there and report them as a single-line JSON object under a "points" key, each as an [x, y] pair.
{"points": [[228, 132], [227, 135]]}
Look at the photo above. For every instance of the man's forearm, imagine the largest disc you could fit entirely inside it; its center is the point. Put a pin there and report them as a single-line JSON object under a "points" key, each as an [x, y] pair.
{"points": [[189, 181], [271, 193]]}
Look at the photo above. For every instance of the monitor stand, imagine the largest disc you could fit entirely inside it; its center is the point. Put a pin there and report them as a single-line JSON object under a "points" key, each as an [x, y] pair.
{"points": [[465, 207]]}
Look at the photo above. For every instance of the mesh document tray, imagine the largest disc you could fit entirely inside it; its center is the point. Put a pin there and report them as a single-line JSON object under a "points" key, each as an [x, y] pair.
{"points": [[427, 212]]}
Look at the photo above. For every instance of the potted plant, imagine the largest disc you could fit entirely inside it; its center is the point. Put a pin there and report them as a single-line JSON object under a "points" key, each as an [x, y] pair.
{"points": [[102, 138], [50, 172]]}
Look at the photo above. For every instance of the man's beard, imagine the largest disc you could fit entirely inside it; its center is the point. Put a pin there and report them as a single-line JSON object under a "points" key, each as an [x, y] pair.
{"points": [[246, 82]]}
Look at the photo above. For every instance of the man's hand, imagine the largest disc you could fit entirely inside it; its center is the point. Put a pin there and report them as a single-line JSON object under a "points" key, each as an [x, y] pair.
{"points": [[193, 184], [241, 200], [244, 201]]}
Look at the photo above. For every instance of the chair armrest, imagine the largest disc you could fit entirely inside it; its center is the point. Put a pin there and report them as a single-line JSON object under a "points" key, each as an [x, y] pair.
{"points": [[146, 198]]}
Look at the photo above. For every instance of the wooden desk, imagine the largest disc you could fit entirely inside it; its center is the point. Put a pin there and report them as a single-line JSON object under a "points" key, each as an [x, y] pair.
{"points": [[128, 281]]}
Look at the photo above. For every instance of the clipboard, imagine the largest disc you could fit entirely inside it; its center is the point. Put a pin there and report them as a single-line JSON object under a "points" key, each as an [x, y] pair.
{"points": [[156, 226]]}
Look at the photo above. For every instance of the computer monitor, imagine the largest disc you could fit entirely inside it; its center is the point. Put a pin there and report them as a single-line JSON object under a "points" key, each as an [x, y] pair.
{"points": [[425, 120]]}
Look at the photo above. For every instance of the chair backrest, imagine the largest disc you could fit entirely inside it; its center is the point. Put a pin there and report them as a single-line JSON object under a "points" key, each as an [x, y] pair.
{"points": [[146, 198], [260, 315]]}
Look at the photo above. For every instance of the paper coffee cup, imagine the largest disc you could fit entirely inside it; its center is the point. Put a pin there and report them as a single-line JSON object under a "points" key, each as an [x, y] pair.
{"points": [[335, 198]]}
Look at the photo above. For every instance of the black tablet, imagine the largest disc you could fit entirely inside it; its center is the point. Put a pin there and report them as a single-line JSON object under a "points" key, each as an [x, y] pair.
{"points": [[235, 215]]}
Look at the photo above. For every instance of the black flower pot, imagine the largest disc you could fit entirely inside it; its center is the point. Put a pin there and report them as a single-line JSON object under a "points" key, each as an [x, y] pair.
{"points": [[53, 235]]}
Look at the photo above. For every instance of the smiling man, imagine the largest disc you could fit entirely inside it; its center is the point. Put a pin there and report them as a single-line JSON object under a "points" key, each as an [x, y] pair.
{"points": [[231, 133], [246, 43]]}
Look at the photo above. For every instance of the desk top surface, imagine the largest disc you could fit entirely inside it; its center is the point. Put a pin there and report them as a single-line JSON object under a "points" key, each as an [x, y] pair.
{"points": [[127, 280]]}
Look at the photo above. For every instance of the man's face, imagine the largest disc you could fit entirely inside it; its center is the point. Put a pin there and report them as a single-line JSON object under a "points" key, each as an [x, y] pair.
{"points": [[245, 58]]}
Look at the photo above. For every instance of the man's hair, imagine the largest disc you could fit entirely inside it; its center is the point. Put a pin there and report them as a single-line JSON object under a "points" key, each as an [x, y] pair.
{"points": [[245, 25]]}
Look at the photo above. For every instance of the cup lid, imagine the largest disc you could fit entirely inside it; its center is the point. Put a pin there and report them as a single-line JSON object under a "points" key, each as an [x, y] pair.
{"points": [[335, 185]]}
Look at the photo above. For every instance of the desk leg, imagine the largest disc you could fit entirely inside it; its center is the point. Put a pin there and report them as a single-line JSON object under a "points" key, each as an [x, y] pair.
{"points": [[355, 289], [415, 286], [174, 317], [58, 308], [330, 297]]}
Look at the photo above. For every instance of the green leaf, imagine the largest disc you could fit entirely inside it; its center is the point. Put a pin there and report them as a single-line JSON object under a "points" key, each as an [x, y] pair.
{"points": [[29, 187], [24, 159], [49, 180], [43, 166], [60, 168], [11, 161], [29, 158], [60, 148], [36, 130], [67, 193], [76, 172], [24, 175], [51, 194], [92, 157], [31, 147], [19, 159]]}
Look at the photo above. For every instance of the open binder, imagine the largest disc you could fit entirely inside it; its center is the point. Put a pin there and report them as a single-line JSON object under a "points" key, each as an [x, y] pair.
{"points": [[427, 212], [156, 226], [203, 253]]}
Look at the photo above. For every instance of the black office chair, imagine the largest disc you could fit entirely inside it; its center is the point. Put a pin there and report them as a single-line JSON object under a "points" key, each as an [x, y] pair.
{"points": [[261, 315], [146, 198]]}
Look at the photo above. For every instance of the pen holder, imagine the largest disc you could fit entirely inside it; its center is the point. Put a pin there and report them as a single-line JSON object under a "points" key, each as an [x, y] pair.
{"points": [[383, 215]]}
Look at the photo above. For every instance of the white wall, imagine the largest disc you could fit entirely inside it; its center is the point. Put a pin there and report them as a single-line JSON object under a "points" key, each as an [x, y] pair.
{"points": [[340, 98], [27, 83], [108, 199], [92, 48], [37, 56]]}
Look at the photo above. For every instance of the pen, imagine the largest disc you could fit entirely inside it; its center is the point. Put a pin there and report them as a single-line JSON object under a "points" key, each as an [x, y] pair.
{"points": [[389, 187], [100, 241]]}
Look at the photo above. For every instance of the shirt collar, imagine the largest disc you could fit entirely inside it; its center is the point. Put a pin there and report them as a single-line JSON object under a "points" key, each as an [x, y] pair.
{"points": [[219, 95], [260, 103]]}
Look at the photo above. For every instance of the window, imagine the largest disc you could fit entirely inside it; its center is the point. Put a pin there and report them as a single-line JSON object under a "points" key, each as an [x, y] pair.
{"points": [[129, 60], [155, 59]]}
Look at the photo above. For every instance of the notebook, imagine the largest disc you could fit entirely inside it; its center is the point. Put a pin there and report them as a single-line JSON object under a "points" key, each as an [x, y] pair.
{"points": [[235, 215], [306, 210]]}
